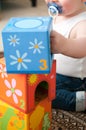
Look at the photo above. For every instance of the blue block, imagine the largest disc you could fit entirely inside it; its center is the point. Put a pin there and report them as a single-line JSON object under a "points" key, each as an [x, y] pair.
{"points": [[26, 43]]}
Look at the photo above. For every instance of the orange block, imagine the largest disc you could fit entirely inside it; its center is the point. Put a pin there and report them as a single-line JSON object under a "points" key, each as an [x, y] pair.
{"points": [[21, 90]]}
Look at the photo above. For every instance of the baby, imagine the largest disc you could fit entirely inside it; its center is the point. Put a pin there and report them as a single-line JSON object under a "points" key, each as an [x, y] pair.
{"points": [[68, 43]]}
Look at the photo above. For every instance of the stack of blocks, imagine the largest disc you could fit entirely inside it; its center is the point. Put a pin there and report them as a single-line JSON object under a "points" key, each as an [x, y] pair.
{"points": [[27, 75]]}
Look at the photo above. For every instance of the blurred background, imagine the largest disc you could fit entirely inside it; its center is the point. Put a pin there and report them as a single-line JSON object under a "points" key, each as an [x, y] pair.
{"points": [[19, 8]]}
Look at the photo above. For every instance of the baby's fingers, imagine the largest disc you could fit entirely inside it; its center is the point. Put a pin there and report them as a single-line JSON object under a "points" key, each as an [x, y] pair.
{"points": [[53, 34]]}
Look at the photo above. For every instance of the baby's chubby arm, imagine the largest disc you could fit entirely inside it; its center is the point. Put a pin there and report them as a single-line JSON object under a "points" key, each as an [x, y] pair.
{"points": [[75, 46]]}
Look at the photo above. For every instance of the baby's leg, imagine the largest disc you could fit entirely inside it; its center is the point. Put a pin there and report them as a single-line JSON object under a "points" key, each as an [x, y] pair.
{"points": [[70, 94], [65, 100]]}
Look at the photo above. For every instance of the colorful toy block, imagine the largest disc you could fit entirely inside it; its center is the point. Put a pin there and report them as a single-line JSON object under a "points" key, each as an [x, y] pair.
{"points": [[26, 43], [20, 90], [38, 119]]}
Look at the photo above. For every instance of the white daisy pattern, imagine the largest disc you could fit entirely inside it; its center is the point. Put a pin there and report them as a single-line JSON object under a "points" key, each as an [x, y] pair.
{"points": [[36, 46], [13, 40], [12, 90], [3, 71], [19, 60]]}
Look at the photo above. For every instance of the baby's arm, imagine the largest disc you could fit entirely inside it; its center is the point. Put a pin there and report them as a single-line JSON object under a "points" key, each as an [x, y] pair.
{"points": [[74, 46]]}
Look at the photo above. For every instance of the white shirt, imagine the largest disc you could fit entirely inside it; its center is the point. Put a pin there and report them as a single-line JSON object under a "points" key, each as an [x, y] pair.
{"points": [[75, 67]]}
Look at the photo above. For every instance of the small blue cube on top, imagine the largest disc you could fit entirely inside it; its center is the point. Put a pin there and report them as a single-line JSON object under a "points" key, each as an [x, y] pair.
{"points": [[26, 43]]}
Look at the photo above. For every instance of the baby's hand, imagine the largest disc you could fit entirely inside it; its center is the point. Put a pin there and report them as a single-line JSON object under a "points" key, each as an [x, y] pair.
{"points": [[57, 42], [54, 41]]}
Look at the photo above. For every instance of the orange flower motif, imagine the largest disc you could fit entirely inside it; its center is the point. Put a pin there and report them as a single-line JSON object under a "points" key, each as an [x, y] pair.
{"points": [[1, 114], [11, 123], [20, 115]]}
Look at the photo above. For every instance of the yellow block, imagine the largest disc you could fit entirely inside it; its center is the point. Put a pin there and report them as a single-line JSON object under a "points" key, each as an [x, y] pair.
{"points": [[13, 119]]}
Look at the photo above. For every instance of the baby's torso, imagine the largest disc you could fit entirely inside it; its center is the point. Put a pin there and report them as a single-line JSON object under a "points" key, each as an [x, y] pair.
{"points": [[66, 65]]}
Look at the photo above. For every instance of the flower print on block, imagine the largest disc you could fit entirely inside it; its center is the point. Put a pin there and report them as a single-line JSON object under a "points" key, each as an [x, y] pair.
{"points": [[19, 60], [35, 46], [12, 92], [3, 71], [13, 40]]}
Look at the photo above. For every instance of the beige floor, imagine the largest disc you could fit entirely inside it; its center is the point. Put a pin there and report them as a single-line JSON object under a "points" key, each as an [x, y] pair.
{"points": [[20, 8]]}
